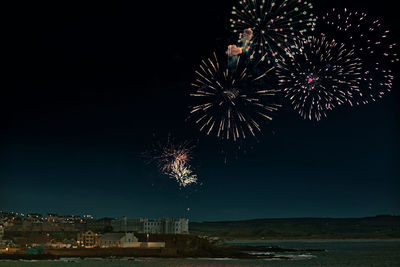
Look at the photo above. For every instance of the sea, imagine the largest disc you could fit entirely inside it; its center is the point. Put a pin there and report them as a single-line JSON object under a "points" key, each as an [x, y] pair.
{"points": [[360, 253]]}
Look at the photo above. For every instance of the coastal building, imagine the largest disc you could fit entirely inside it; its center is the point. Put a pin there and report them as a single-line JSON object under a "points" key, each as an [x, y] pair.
{"points": [[175, 226], [160, 226], [88, 239], [1, 231], [153, 227], [123, 240], [70, 219], [88, 217], [34, 217], [167, 226], [52, 217]]}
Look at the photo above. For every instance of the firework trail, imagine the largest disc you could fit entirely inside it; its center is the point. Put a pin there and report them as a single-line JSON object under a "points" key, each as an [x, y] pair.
{"points": [[320, 75], [231, 100], [173, 160], [371, 42], [274, 23]]}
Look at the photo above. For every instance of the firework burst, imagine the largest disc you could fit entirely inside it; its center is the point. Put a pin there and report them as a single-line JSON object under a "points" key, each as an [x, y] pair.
{"points": [[320, 75], [274, 23], [371, 42], [231, 100], [182, 173], [173, 160]]}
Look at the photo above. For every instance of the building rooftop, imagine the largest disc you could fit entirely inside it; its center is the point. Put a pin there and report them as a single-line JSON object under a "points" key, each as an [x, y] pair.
{"points": [[112, 236]]}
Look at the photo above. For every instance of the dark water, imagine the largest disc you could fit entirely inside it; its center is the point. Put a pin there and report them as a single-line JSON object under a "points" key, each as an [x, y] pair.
{"points": [[338, 253]]}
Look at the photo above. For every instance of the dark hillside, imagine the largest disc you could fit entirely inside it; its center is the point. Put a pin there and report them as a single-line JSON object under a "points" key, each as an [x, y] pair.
{"points": [[380, 227]]}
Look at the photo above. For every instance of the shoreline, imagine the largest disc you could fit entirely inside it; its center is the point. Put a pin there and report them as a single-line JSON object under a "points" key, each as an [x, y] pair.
{"points": [[223, 251], [46, 257], [314, 240], [234, 249], [73, 259]]}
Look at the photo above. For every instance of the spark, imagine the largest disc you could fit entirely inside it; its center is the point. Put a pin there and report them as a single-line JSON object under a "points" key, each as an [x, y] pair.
{"points": [[274, 23], [371, 42], [320, 75], [231, 101]]}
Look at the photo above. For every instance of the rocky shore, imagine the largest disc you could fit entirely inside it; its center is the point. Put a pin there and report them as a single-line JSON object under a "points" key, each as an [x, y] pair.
{"points": [[209, 251]]}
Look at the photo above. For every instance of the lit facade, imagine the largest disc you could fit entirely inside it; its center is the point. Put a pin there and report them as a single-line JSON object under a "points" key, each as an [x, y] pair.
{"points": [[88, 239], [1, 232]]}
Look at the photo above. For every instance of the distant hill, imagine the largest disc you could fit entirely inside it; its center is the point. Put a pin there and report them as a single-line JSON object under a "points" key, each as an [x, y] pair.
{"points": [[379, 227]]}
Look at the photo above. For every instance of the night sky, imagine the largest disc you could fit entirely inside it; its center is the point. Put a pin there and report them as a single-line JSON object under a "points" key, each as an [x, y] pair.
{"points": [[93, 86]]}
